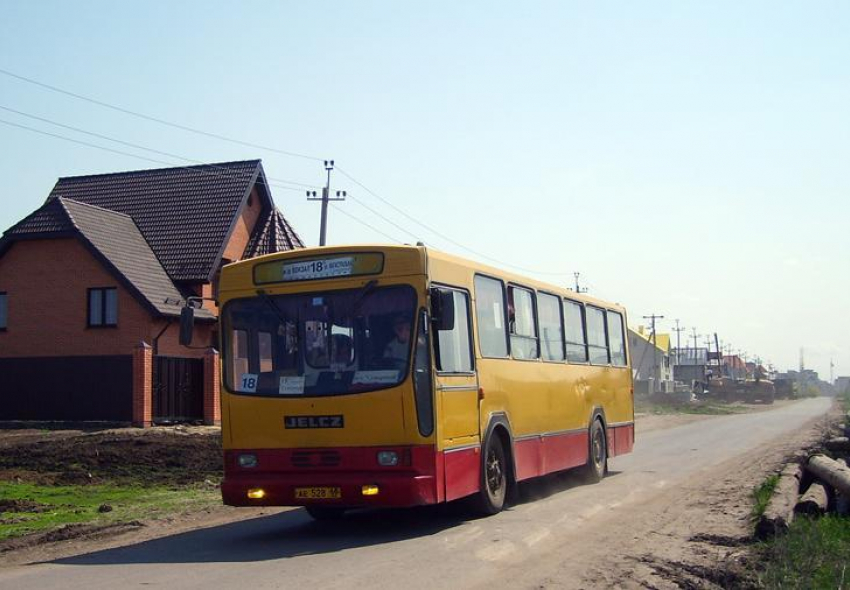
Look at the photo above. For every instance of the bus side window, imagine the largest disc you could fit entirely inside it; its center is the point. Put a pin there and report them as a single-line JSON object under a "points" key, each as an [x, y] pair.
{"points": [[454, 354], [523, 325], [551, 327], [596, 337], [616, 339], [490, 316], [576, 332]]}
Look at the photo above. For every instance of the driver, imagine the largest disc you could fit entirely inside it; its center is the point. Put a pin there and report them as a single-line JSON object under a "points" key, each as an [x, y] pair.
{"points": [[398, 347]]}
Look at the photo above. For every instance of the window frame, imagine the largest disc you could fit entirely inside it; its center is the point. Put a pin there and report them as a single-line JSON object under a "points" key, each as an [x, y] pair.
{"points": [[583, 313], [623, 337], [4, 305], [435, 333], [505, 329], [534, 321], [103, 291], [558, 299], [607, 346]]}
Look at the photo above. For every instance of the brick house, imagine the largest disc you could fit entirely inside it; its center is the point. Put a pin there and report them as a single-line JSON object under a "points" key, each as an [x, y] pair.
{"points": [[92, 283]]}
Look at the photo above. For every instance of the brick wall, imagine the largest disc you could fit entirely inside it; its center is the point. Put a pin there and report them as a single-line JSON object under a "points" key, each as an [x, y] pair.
{"points": [[244, 226], [47, 282]]}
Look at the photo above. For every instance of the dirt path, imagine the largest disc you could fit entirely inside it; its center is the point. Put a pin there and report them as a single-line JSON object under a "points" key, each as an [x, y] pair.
{"points": [[665, 518], [692, 535]]}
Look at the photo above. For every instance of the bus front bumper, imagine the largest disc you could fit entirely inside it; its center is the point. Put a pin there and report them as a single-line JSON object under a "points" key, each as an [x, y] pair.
{"points": [[353, 483], [360, 489]]}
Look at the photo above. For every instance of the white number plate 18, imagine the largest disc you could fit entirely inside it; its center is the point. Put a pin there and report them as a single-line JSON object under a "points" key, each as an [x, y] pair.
{"points": [[248, 383]]}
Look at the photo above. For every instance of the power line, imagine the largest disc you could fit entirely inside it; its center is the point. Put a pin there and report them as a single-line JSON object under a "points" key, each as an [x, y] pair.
{"points": [[137, 146], [156, 119], [262, 147], [171, 164], [442, 235], [361, 222]]}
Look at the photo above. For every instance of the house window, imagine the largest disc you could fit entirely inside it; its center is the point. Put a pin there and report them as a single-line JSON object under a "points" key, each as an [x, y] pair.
{"points": [[4, 311], [103, 307]]}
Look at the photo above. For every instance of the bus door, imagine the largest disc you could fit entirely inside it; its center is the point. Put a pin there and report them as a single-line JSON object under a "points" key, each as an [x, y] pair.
{"points": [[456, 380]]}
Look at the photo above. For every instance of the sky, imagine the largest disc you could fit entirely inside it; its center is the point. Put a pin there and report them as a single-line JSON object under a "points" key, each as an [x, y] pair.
{"points": [[688, 159]]}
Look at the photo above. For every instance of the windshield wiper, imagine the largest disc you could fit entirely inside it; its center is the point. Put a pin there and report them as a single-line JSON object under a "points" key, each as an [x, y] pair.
{"points": [[364, 291], [277, 311]]}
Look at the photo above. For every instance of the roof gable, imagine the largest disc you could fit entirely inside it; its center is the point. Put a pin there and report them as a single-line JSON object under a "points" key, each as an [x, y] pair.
{"points": [[272, 234], [114, 239], [185, 214]]}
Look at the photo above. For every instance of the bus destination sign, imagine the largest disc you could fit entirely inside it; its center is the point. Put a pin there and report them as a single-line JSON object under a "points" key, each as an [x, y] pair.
{"points": [[318, 269], [285, 271]]}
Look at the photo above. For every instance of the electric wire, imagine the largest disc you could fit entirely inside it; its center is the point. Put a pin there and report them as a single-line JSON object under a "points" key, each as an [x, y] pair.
{"points": [[147, 149], [158, 120], [197, 170], [278, 151]]}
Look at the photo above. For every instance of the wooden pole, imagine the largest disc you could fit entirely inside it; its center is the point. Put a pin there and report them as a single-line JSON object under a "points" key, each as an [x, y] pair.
{"points": [[832, 472]]}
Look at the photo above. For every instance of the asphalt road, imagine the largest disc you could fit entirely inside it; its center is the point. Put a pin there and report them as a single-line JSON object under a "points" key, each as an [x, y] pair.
{"points": [[422, 548]]}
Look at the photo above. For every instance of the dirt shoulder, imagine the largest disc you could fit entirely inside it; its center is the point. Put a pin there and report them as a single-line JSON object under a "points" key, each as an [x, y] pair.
{"points": [[185, 456], [695, 535]]}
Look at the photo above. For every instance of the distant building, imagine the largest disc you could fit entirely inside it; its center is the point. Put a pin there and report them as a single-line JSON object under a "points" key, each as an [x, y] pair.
{"points": [[690, 365], [842, 385], [651, 363]]}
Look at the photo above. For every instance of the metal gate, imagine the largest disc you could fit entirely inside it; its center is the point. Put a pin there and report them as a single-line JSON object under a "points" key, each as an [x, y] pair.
{"points": [[178, 389]]}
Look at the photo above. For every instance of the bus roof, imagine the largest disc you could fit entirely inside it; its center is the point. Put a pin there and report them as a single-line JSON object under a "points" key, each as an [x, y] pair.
{"points": [[435, 254]]}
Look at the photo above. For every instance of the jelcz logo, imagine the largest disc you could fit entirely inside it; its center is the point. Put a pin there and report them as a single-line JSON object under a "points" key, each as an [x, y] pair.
{"points": [[314, 421]]}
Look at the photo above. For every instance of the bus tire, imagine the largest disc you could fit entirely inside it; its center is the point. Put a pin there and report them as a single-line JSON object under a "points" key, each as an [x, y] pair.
{"points": [[325, 512], [597, 459], [494, 477]]}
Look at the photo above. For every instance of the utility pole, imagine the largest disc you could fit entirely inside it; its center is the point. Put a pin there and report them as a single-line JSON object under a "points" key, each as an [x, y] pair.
{"points": [[578, 288], [678, 341], [655, 372], [325, 199]]}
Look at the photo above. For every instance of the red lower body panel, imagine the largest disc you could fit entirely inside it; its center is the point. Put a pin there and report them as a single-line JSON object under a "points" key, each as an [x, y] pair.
{"points": [[621, 439], [280, 471], [539, 455], [462, 472]]}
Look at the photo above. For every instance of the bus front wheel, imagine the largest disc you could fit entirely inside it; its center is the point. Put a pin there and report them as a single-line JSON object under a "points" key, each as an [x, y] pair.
{"points": [[597, 459], [494, 477]]}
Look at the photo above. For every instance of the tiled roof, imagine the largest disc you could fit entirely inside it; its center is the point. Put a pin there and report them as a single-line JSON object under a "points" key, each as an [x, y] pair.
{"points": [[116, 239], [272, 234], [185, 214]]}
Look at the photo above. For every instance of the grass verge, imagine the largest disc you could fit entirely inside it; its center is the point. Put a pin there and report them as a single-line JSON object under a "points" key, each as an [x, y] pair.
{"points": [[762, 495], [814, 554], [709, 408], [27, 508]]}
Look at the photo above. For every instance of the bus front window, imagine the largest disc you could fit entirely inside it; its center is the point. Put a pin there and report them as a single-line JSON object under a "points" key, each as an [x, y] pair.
{"points": [[327, 343]]}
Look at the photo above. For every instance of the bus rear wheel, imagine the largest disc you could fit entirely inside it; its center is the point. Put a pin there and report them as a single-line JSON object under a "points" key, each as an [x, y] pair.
{"points": [[597, 459], [494, 477], [325, 512]]}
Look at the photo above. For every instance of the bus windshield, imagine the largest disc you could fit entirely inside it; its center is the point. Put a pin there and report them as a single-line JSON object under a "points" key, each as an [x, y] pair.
{"points": [[327, 343]]}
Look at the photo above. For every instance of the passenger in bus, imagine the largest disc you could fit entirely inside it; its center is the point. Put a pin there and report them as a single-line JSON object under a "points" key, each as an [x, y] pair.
{"points": [[341, 350], [397, 348]]}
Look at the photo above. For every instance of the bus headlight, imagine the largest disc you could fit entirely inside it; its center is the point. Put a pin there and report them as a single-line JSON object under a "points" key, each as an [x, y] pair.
{"points": [[387, 458], [247, 460]]}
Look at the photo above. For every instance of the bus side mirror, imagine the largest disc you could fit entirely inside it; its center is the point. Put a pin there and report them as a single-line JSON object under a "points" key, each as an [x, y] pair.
{"points": [[443, 309], [187, 325]]}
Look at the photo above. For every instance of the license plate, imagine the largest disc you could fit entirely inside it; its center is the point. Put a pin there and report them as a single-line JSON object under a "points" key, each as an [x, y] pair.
{"points": [[318, 493]]}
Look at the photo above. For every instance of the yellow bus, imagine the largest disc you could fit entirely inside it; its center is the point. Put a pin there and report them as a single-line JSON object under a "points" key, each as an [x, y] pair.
{"points": [[399, 376]]}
